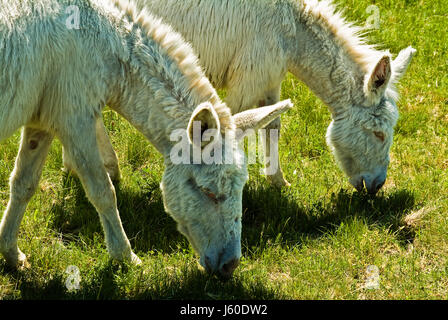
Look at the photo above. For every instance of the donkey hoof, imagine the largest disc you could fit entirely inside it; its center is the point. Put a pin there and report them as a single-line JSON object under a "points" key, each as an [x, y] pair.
{"points": [[278, 182], [135, 260], [16, 259], [23, 264]]}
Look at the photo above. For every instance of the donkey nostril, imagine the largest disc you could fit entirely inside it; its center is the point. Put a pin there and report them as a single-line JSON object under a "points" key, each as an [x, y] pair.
{"points": [[228, 268], [378, 187], [374, 188], [360, 185]]}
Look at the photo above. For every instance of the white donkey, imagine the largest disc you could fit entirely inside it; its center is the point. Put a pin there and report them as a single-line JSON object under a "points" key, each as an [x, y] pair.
{"points": [[55, 78], [248, 46]]}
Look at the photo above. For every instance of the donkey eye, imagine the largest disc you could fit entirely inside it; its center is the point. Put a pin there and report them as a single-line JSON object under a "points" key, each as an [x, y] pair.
{"points": [[379, 135], [209, 194]]}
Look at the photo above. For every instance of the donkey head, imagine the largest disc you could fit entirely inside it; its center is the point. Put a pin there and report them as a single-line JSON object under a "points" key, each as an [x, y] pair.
{"points": [[361, 138], [204, 194]]}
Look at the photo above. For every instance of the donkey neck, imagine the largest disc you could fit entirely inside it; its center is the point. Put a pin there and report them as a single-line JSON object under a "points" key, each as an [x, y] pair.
{"points": [[328, 56], [162, 83]]}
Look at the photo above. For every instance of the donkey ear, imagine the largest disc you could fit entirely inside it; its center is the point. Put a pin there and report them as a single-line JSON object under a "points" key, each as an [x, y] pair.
{"points": [[401, 62], [378, 79], [203, 118], [258, 118]]}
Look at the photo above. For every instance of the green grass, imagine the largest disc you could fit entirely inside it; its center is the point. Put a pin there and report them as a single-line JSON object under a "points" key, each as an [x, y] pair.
{"points": [[312, 241]]}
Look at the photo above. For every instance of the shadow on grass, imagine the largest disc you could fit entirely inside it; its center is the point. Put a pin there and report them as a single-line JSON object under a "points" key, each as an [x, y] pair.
{"points": [[144, 219], [102, 284], [33, 286], [270, 215]]}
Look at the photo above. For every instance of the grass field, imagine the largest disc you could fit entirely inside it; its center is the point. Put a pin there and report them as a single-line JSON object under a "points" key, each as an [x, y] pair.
{"points": [[314, 240]]}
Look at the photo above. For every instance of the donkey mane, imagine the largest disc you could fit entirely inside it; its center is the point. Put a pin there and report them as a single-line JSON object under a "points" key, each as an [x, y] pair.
{"points": [[351, 37], [185, 59], [323, 16]]}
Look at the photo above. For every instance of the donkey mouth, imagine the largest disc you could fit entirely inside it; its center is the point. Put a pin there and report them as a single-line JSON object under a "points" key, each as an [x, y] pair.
{"points": [[375, 187], [372, 189], [360, 185]]}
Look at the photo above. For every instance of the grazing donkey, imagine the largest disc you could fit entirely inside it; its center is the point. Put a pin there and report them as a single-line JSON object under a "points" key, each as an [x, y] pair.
{"points": [[248, 46], [55, 78]]}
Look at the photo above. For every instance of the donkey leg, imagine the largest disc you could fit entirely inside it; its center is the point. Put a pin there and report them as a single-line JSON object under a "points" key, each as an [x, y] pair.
{"points": [[110, 159], [81, 146], [24, 181], [273, 169], [108, 154], [247, 91]]}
